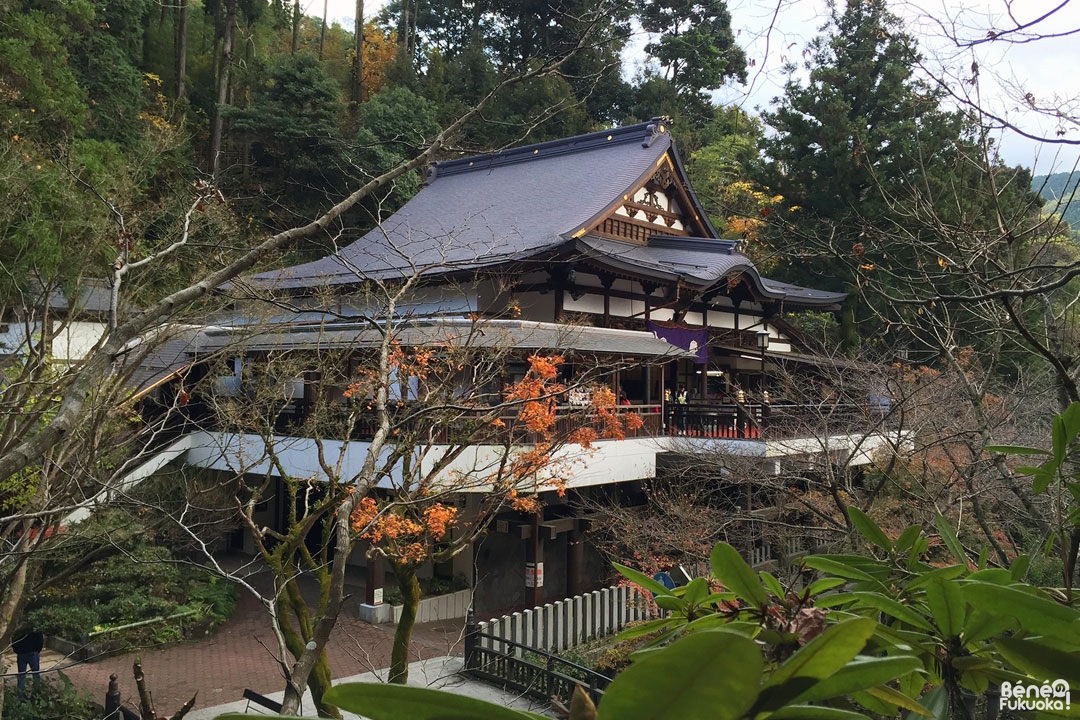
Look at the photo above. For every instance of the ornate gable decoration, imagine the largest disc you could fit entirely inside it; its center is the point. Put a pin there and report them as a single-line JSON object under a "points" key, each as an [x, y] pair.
{"points": [[660, 206]]}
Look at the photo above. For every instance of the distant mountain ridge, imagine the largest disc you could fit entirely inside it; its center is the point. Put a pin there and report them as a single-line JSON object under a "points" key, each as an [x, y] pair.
{"points": [[1056, 190]]}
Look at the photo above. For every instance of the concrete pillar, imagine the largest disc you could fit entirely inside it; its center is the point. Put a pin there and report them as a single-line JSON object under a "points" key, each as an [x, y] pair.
{"points": [[534, 564], [373, 584]]}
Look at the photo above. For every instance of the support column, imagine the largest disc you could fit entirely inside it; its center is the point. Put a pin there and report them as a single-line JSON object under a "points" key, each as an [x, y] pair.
{"points": [[373, 582], [374, 609], [575, 561], [534, 564]]}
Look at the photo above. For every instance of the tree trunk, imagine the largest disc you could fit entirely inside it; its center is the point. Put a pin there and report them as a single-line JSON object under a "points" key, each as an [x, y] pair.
{"points": [[322, 34], [180, 47], [291, 604], [357, 90], [296, 15], [410, 594], [403, 33], [223, 86]]}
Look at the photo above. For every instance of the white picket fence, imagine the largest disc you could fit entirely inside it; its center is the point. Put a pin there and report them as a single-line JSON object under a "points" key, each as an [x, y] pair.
{"points": [[561, 625]]}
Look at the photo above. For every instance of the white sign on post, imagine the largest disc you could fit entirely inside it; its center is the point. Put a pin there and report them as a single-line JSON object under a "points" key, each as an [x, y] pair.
{"points": [[534, 575]]}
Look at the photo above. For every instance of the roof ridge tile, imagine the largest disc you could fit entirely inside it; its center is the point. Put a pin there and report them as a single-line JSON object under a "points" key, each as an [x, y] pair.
{"points": [[645, 133]]}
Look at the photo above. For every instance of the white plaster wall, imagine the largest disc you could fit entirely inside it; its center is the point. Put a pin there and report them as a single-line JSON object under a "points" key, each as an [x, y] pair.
{"points": [[661, 314], [722, 319], [623, 307], [13, 339], [587, 304]]}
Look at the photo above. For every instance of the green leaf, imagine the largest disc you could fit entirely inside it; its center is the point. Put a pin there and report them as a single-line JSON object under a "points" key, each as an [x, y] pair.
{"points": [[647, 628], [936, 701], [1042, 478], [1070, 418], [860, 674], [984, 555], [719, 597], [912, 684], [1035, 613], [880, 603], [998, 576], [1016, 450], [819, 586], [714, 622], [982, 625], [772, 584], [696, 591], [948, 536], [709, 674], [821, 657], [869, 528], [1019, 567], [639, 578], [874, 705], [386, 701], [1040, 661], [668, 602], [899, 699], [918, 548], [815, 712], [947, 606], [907, 538], [929, 576], [1060, 440], [834, 567], [729, 568], [966, 663]]}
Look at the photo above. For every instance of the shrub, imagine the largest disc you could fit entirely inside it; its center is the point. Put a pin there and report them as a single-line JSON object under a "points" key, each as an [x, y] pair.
{"points": [[50, 698], [218, 595], [135, 582], [67, 620]]}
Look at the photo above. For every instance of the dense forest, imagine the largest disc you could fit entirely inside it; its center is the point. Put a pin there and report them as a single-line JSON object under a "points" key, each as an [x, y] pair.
{"points": [[1058, 190]]}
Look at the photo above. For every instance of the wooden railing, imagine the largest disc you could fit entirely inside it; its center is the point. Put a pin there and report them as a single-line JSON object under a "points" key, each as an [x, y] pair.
{"points": [[463, 427], [532, 671], [757, 421], [698, 418]]}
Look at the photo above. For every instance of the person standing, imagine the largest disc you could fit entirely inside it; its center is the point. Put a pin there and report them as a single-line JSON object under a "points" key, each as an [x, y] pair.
{"points": [[681, 402], [27, 646]]}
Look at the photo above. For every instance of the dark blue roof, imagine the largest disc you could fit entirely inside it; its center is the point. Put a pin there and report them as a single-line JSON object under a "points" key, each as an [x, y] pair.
{"points": [[526, 202], [489, 209]]}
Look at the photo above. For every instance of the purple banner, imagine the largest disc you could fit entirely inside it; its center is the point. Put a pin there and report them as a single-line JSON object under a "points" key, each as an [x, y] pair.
{"points": [[696, 340]]}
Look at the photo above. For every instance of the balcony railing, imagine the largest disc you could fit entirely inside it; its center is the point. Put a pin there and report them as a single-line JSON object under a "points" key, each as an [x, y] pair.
{"points": [[699, 419], [461, 427], [758, 421]]}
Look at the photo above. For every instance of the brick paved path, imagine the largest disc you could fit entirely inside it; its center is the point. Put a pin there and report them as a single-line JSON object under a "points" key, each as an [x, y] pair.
{"points": [[240, 655]]}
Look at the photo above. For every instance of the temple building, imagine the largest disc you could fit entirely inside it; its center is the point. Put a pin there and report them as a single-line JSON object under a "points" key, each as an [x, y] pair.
{"points": [[593, 247]]}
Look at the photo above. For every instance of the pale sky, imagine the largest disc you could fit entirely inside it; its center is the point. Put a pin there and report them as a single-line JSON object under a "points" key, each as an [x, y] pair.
{"points": [[1007, 72]]}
